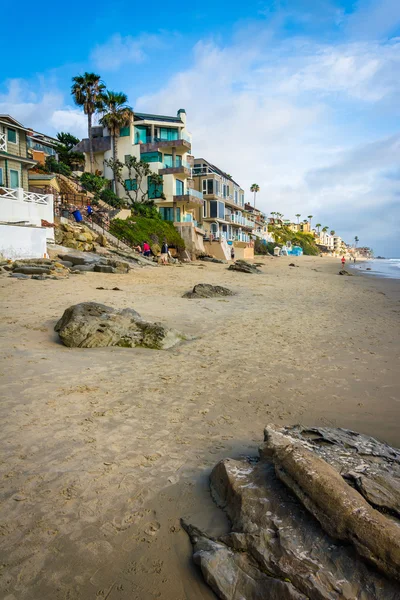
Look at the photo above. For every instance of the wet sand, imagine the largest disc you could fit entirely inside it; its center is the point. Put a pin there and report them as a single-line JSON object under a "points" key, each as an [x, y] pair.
{"points": [[104, 450]]}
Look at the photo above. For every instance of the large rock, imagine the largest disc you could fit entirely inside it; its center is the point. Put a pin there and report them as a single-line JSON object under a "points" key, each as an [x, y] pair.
{"points": [[212, 259], [94, 325], [206, 290], [32, 270], [275, 538], [244, 267]]}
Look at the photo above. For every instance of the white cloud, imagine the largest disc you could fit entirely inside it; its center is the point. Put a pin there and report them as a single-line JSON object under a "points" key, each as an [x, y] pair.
{"points": [[119, 50], [285, 120], [44, 111]]}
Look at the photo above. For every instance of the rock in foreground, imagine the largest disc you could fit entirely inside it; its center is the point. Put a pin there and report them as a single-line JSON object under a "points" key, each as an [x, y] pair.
{"points": [[94, 325], [206, 290], [277, 550], [244, 267]]}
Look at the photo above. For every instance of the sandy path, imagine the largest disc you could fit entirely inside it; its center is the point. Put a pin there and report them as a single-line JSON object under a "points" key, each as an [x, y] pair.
{"points": [[103, 450]]}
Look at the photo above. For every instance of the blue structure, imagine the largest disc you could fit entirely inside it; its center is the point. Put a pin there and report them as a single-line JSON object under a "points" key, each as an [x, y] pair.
{"points": [[295, 251]]}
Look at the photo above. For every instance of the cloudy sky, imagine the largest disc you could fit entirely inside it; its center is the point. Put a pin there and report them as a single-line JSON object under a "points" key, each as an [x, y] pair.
{"points": [[301, 97]]}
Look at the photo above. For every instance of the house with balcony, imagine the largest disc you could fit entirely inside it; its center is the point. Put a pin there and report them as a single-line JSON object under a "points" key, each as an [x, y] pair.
{"points": [[21, 211], [165, 144], [223, 217]]}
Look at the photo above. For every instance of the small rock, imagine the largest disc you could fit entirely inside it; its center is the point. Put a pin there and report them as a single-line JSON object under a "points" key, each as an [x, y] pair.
{"points": [[344, 272], [104, 269], [244, 267], [206, 290], [32, 270], [19, 276]]}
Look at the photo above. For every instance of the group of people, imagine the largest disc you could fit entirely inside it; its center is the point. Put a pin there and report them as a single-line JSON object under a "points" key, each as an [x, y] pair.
{"points": [[145, 250]]}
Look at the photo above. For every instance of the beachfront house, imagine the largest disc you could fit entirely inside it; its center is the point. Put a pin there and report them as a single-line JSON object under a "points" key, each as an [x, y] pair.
{"points": [[224, 217], [165, 144], [21, 211]]}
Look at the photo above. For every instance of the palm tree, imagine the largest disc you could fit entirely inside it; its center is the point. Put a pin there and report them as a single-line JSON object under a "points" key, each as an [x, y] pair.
{"points": [[332, 232], [117, 114], [318, 226], [356, 240], [87, 90], [309, 218], [325, 229], [273, 214], [255, 188], [298, 218]]}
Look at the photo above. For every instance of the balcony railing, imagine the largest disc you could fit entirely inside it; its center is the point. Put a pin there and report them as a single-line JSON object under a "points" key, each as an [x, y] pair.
{"points": [[183, 163], [155, 140], [3, 142], [21, 195]]}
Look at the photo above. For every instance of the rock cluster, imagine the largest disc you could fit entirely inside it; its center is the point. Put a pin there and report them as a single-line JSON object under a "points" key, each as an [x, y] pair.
{"points": [[82, 261], [209, 258], [244, 267], [94, 325], [78, 237], [34, 268], [206, 290], [315, 517]]}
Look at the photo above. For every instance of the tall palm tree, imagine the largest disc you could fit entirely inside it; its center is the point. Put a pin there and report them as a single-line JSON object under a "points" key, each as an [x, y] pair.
{"points": [[298, 218], [255, 188], [356, 240], [309, 218], [117, 114], [332, 232], [87, 90], [318, 226], [325, 229]]}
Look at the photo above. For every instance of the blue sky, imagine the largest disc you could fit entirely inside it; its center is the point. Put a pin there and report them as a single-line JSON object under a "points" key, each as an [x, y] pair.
{"points": [[299, 96]]}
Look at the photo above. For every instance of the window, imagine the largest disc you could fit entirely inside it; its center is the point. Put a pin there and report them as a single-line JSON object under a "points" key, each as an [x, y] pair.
{"points": [[224, 190], [155, 191], [221, 210], [12, 135], [14, 178], [204, 209], [168, 161], [141, 134], [236, 196], [124, 131], [213, 208], [131, 184], [179, 187], [151, 157], [167, 214], [217, 191], [1, 176], [127, 157], [167, 134], [208, 186]]}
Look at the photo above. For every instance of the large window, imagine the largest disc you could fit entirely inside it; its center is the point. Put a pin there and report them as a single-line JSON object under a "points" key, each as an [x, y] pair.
{"points": [[1, 176], [155, 191], [208, 186], [167, 214], [151, 157], [131, 184], [167, 133], [140, 134], [205, 209], [236, 196], [180, 188], [12, 135], [217, 209], [14, 178], [169, 162], [124, 131]]}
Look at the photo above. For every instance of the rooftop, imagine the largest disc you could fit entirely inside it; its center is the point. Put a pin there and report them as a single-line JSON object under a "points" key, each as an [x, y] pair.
{"points": [[149, 117], [217, 170]]}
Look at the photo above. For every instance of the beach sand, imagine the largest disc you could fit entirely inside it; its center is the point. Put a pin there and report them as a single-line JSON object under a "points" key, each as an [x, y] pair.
{"points": [[104, 450]]}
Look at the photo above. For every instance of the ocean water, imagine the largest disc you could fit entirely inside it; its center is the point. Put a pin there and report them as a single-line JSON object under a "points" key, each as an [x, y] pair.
{"points": [[387, 267]]}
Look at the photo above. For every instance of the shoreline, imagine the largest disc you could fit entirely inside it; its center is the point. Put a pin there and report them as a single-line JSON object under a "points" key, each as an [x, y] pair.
{"points": [[108, 448]]}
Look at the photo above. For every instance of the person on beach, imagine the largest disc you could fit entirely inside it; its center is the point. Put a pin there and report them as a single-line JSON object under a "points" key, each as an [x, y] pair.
{"points": [[343, 261], [233, 253], [146, 249], [164, 252]]}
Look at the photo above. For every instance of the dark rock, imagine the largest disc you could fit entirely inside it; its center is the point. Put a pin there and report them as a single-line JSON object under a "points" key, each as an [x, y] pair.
{"points": [[82, 258], [212, 259], [66, 263], [24, 262], [19, 276], [368, 269], [292, 265], [32, 270], [244, 267], [344, 272], [104, 269], [100, 288], [42, 277], [93, 325], [206, 290], [277, 550], [116, 289], [76, 268]]}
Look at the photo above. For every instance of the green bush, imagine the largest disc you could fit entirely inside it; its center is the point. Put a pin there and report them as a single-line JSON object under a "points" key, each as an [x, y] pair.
{"points": [[146, 209], [92, 183], [305, 240], [53, 166], [261, 247], [138, 229], [111, 198]]}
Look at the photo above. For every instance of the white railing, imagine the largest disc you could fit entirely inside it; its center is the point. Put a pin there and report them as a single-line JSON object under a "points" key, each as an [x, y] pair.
{"points": [[3, 142], [22, 195]]}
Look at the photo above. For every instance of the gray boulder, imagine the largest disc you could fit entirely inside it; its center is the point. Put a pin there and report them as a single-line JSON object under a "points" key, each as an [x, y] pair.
{"points": [[81, 258], [212, 259], [104, 269], [345, 272], [206, 290], [32, 270], [94, 325], [277, 549], [244, 267]]}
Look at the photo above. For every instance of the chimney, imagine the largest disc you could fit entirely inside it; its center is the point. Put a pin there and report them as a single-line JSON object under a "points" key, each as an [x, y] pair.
{"points": [[182, 115]]}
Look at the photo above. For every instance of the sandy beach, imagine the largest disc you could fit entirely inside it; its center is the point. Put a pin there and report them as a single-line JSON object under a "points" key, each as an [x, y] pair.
{"points": [[104, 450]]}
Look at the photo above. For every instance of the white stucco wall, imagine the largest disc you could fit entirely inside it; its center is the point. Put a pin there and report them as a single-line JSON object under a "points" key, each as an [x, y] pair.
{"points": [[22, 242], [17, 209]]}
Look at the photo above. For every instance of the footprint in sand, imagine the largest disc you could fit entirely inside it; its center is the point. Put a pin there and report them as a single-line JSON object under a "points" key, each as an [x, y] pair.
{"points": [[152, 528]]}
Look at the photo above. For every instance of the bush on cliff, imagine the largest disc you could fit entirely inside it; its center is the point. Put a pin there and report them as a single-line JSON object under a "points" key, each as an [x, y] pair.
{"points": [[138, 229], [298, 238]]}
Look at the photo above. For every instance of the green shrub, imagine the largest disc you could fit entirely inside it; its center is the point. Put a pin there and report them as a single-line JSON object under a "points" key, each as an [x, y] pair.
{"points": [[111, 198], [138, 229], [146, 209], [262, 247], [92, 183]]}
